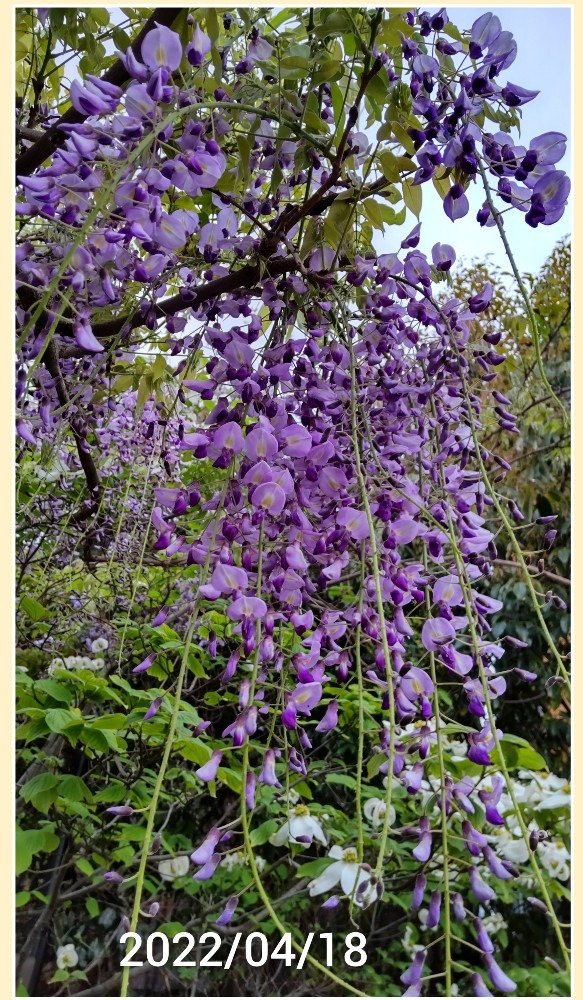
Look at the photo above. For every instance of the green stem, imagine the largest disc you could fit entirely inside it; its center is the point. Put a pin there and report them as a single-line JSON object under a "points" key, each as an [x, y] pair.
{"points": [[499, 509], [470, 612], [381, 613], [527, 304], [360, 752], [444, 832], [244, 818], [168, 747]]}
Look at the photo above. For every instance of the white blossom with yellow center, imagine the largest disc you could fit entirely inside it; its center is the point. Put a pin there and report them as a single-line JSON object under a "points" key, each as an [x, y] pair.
{"points": [[346, 871], [300, 824], [67, 957]]}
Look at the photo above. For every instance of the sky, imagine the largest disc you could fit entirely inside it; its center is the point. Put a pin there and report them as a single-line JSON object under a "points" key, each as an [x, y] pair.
{"points": [[543, 62]]}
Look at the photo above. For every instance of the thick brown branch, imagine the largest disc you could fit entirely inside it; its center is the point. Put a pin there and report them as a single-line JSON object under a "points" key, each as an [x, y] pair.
{"points": [[51, 361], [550, 576], [32, 157]]}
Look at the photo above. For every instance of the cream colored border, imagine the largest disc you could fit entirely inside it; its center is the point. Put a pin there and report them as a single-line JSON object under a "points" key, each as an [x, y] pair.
{"points": [[7, 455]]}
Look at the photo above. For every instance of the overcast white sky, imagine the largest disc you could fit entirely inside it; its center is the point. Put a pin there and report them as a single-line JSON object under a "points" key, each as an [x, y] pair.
{"points": [[543, 62]]}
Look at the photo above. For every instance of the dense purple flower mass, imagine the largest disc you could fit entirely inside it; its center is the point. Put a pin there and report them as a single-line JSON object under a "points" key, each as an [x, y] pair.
{"points": [[339, 429]]}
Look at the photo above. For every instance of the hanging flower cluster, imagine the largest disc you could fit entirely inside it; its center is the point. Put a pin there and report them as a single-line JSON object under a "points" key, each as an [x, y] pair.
{"points": [[342, 396]]}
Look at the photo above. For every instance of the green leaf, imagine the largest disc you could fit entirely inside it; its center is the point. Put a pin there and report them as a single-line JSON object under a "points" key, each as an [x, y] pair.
{"points": [[74, 789], [32, 842], [35, 611], [60, 976], [327, 70], [84, 866], [341, 779], [92, 907], [441, 181], [518, 753], [41, 791], [58, 719], [334, 24], [374, 764], [230, 778], [95, 739], [115, 721], [262, 833], [313, 868], [194, 750], [56, 691], [144, 392], [112, 793], [412, 196], [294, 67], [404, 138], [372, 210]]}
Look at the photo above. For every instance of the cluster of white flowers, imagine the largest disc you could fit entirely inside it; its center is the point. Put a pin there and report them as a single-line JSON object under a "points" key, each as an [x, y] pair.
{"points": [[494, 922], [554, 857], [235, 858], [537, 791], [67, 957], [75, 663]]}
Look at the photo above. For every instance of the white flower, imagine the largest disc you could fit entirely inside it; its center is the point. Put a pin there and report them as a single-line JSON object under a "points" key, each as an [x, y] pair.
{"points": [[408, 945], [554, 856], [459, 751], [422, 917], [345, 870], [235, 858], [375, 810], [510, 844], [299, 824], [76, 663], [99, 645], [67, 957], [556, 801], [494, 922], [436, 866], [174, 868], [293, 797]]}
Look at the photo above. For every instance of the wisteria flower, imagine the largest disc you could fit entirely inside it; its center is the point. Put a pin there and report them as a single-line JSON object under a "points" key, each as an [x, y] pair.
{"points": [[162, 48]]}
